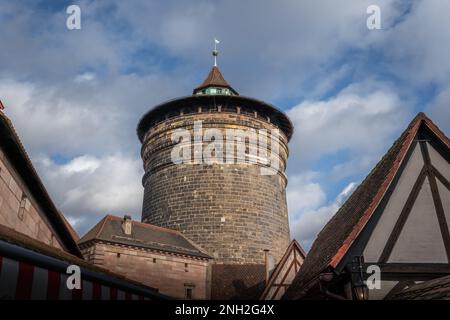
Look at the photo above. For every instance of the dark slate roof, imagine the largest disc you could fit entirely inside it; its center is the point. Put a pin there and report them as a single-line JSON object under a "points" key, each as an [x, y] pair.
{"points": [[237, 281], [339, 233], [214, 79], [436, 289], [143, 235], [173, 107], [14, 237], [19, 158]]}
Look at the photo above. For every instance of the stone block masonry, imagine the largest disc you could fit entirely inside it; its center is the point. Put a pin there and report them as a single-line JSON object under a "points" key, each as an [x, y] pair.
{"points": [[171, 274], [230, 210]]}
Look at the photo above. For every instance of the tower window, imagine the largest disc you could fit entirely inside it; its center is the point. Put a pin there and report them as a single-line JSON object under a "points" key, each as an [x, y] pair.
{"points": [[118, 255], [154, 260], [186, 267]]}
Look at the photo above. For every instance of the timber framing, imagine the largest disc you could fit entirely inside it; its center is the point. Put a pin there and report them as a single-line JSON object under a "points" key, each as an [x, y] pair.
{"points": [[277, 280], [347, 234]]}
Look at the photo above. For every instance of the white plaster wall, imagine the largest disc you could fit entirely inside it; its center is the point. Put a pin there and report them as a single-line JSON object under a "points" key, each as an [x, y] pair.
{"points": [[420, 239], [394, 206]]}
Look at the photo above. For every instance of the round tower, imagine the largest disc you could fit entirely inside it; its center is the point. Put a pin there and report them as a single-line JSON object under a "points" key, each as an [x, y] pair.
{"points": [[214, 169]]}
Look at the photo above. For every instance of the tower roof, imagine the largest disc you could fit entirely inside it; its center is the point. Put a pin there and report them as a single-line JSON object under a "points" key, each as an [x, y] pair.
{"points": [[159, 112], [214, 79]]}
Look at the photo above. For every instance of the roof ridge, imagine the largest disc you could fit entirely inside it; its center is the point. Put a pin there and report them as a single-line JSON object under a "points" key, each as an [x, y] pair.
{"points": [[297, 244], [378, 197], [434, 127], [196, 246], [102, 226], [147, 225], [99, 225]]}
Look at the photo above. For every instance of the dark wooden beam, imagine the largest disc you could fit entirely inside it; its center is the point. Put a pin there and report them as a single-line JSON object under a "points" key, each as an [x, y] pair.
{"points": [[392, 240], [441, 178], [284, 278], [436, 199]]}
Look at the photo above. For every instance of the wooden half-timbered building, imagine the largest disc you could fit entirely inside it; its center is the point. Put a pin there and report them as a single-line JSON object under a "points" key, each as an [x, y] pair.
{"points": [[284, 273], [397, 220]]}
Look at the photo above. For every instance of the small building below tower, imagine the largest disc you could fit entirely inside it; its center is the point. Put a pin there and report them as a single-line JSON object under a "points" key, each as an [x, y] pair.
{"points": [[158, 257]]}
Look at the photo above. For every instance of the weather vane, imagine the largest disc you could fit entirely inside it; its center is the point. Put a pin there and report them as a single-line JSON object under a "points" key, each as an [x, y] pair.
{"points": [[215, 51]]}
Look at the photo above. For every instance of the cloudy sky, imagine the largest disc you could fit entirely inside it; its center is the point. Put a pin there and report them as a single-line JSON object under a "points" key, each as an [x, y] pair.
{"points": [[75, 96]]}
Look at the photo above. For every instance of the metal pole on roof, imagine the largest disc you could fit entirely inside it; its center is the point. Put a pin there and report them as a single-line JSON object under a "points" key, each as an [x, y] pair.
{"points": [[215, 51]]}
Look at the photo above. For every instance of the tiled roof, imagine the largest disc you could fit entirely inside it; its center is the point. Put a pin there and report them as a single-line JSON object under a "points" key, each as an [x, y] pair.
{"points": [[19, 158], [237, 281], [143, 235], [344, 227], [214, 79], [436, 289]]}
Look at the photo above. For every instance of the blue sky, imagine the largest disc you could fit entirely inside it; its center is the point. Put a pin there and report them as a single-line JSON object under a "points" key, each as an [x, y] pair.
{"points": [[76, 96]]}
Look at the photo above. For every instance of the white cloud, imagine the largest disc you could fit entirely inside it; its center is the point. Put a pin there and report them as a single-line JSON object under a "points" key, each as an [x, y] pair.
{"points": [[439, 110], [85, 77], [311, 221], [303, 193], [81, 164], [142, 53], [269, 49], [86, 188], [361, 119], [418, 46], [351, 130]]}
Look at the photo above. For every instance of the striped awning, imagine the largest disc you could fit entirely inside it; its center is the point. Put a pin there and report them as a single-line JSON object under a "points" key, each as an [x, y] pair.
{"points": [[24, 281], [29, 275]]}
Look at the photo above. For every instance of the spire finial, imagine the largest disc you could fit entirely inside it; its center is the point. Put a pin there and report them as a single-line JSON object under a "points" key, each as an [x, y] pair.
{"points": [[215, 51]]}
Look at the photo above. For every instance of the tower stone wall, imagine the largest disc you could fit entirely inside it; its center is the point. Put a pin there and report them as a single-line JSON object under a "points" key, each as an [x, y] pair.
{"points": [[231, 210]]}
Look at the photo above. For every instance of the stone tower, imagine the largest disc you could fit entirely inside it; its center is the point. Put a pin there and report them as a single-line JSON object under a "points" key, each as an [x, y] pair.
{"points": [[229, 208]]}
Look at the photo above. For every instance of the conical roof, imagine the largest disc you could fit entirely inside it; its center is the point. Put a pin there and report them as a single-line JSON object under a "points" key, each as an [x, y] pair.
{"points": [[215, 79]]}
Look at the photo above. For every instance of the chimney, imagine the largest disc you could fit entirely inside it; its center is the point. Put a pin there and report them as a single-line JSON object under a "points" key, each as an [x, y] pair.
{"points": [[126, 224]]}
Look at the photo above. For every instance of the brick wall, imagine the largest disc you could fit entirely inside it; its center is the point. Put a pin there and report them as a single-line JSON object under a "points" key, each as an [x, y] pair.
{"points": [[19, 210], [230, 210], [171, 274]]}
